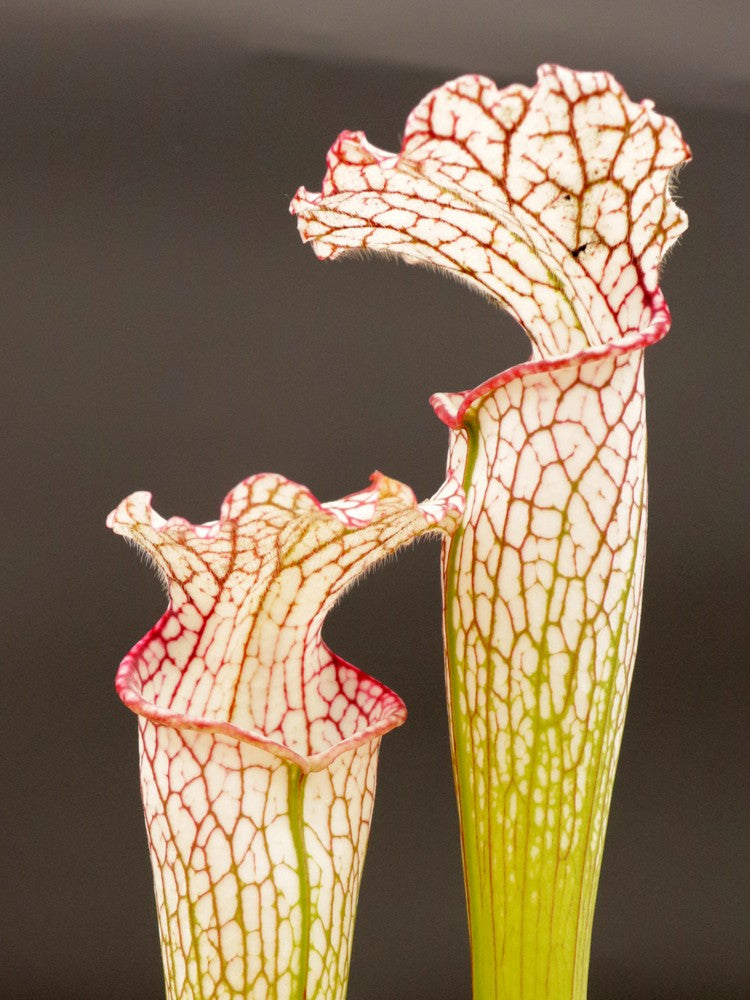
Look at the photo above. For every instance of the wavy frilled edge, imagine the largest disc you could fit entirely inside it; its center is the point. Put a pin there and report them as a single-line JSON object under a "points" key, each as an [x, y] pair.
{"points": [[268, 527], [552, 200]]}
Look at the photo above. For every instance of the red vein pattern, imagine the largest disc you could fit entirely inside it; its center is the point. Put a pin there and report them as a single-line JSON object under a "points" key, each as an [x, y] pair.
{"points": [[258, 744], [554, 201]]}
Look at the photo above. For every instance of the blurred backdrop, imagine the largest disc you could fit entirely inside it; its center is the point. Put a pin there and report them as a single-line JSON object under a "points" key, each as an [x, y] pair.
{"points": [[163, 328]]}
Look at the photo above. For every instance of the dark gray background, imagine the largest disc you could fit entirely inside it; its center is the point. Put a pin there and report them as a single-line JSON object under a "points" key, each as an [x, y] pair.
{"points": [[163, 328]]}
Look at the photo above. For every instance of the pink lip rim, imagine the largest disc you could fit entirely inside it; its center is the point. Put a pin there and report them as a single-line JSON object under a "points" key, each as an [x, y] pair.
{"points": [[453, 407], [128, 687]]}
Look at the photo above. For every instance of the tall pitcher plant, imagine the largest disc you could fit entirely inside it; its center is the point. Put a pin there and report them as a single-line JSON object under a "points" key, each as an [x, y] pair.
{"points": [[554, 202]]}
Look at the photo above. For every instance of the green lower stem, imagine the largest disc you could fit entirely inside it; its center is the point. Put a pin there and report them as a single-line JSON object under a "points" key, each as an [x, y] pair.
{"points": [[532, 829], [296, 823], [530, 897]]}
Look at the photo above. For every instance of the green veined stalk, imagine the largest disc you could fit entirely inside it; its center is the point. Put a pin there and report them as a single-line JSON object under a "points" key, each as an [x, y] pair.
{"points": [[554, 201]]}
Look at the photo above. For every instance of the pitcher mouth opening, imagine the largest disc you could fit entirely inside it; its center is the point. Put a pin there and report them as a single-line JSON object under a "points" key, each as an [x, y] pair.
{"points": [[387, 711], [453, 408]]}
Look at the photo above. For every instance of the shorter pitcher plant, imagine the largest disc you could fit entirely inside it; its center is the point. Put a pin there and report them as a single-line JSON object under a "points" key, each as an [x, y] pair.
{"points": [[258, 744]]}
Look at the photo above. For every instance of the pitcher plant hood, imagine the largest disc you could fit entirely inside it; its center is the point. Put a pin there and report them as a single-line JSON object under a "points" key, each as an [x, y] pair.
{"points": [[552, 200]]}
